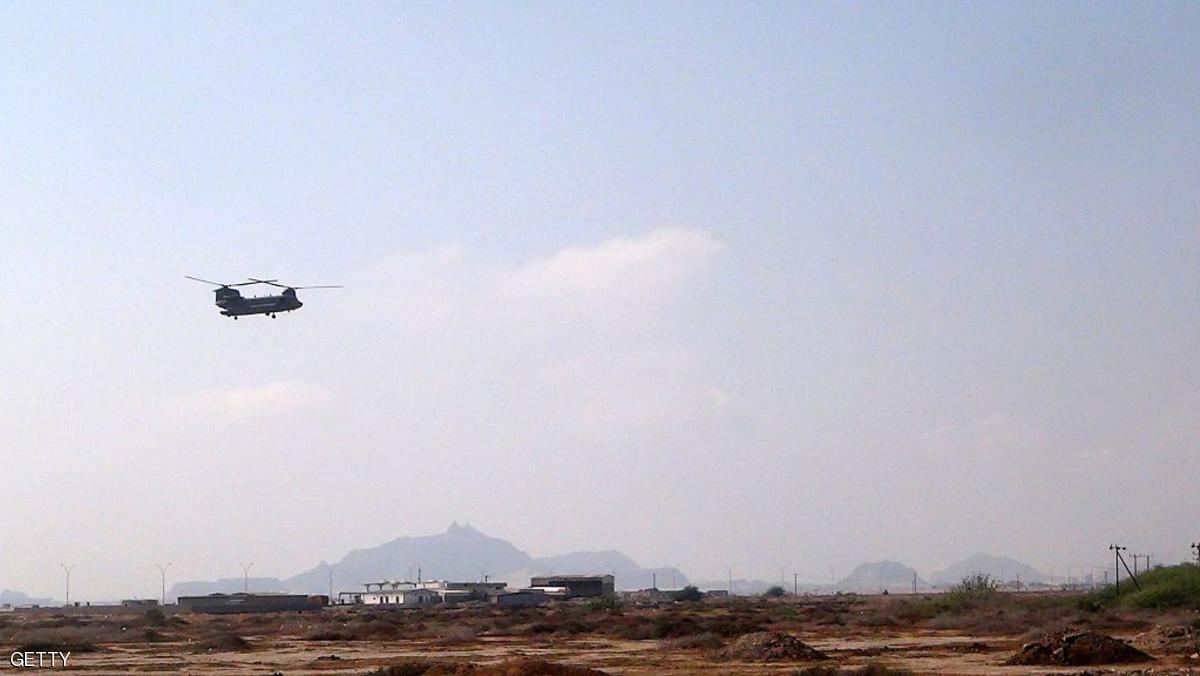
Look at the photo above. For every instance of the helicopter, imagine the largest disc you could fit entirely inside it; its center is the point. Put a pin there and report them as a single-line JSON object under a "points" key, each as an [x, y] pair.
{"points": [[233, 304]]}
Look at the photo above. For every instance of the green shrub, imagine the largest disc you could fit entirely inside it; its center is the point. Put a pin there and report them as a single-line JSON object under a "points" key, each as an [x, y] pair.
{"points": [[1160, 588], [979, 584], [688, 593]]}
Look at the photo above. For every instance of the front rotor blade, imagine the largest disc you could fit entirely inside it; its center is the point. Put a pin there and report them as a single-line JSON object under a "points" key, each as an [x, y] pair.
{"points": [[266, 281], [205, 281]]}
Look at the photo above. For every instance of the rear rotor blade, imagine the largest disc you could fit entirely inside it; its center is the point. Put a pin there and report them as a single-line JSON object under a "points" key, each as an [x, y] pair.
{"points": [[320, 286]]}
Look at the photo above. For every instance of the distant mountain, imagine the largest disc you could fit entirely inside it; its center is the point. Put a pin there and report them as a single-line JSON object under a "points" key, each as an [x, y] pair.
{"points": [[875, 577], [461, 553], [1000, 568], [16, 598], [226, 585]]}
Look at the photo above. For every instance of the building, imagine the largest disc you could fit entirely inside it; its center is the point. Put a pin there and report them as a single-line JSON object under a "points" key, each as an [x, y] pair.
{"points": [[480, 588], [139, 603], [399, 598], [649, 596], [575, 586], [524, 598], [249, 603], [392, 593]]}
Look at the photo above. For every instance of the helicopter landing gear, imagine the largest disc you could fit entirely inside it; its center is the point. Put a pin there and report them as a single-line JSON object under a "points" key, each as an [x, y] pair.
{"points": [[272, 315], [235, 318]]}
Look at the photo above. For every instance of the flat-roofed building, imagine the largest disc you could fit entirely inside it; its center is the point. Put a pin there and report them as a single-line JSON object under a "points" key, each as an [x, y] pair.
{"points": [[577, 586], [523, 598], [249, 603], [400, 598]]}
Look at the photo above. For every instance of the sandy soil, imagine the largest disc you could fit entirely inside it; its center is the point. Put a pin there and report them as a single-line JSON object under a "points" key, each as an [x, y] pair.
{"points": [[922, 652], [284, 644]]}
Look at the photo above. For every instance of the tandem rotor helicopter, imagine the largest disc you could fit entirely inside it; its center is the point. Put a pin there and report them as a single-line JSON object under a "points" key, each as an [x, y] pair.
{"points": [[234, 304]]}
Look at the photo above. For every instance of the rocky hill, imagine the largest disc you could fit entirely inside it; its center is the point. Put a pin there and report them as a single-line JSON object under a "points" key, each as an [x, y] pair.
{"points": [[1000, 568], [880, 576], [16, 598]]}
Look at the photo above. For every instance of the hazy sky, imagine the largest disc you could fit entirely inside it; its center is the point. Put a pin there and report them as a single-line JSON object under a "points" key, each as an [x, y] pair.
{"points": [[714, 284]]}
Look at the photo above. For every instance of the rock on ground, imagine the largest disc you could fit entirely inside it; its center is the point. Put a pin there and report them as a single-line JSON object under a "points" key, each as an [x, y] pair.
{"points": [[772, 646], [1078, 649]]}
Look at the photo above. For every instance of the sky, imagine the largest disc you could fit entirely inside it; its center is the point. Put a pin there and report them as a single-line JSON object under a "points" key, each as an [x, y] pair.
{"points": [[744, 285]]}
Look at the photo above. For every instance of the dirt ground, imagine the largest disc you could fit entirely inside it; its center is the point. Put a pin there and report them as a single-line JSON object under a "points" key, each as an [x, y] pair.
{"points": [[851, 632]]}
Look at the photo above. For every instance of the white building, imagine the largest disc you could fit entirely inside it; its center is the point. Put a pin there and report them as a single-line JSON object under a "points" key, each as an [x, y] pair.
{"points": [[401, 594], [401, 598]]}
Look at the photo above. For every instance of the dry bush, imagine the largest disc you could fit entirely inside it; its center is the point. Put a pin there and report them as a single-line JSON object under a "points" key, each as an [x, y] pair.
{"points": [[59, 639], [154, 617], [456, 634], [81, 635], [329, 633], [223, 642], [706, 641], [360, 630]]}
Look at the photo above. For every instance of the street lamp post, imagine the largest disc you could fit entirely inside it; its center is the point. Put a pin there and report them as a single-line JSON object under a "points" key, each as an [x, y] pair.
{"points": [[162, 571], [67, 569], [245, 576]]}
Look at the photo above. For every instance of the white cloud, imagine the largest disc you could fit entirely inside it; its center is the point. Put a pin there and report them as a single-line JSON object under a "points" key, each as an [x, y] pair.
{"points": [[597, 334], [661, 259], [239, 403]]}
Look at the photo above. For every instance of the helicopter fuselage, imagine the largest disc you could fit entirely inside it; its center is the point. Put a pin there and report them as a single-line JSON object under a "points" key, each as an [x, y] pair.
{"points": [[234, 304]]}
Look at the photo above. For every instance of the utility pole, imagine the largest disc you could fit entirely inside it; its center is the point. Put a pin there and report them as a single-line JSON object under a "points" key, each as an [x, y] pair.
{"points": [[729, 571], [1121, 562], [1116, 550], [162, 571], [1196, 546], [1135, 558], [246, 576], [914, 583], [654, 581], [795, 584], [67, 569]]}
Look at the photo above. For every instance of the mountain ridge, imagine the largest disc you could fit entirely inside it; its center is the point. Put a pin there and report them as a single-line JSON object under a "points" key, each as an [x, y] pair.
{"points": [[459, 553], [1000, 568]]}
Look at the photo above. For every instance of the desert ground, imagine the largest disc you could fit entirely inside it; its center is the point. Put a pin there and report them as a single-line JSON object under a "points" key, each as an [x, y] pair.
{"points": [[844, 634]]}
